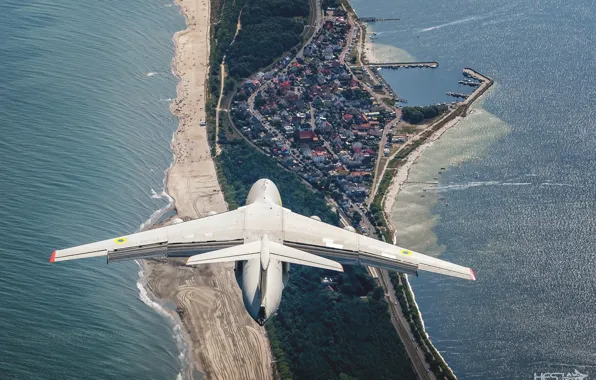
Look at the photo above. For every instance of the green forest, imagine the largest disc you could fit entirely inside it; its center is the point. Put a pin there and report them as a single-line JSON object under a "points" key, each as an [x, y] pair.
{"points": [[337, 331], [269, 29], [416, 115], [242, 165]]}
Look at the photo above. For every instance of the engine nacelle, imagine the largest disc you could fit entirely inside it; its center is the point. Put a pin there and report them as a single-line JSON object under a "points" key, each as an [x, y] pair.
{"points": [[177, 221], [315, 218], [350, 228], [211, 213], [285, 274], [238, 269]]}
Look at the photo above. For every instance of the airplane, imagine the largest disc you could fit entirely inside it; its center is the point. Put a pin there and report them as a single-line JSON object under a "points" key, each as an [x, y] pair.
{"points": [[263, 238]]}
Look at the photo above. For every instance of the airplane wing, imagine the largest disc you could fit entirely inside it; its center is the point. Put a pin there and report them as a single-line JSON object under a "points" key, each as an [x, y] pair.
{"points": [[348, 247], [179, 240]]}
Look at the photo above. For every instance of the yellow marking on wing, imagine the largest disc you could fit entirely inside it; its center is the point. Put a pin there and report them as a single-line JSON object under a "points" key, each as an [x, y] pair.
{"points": [[121, 240]]}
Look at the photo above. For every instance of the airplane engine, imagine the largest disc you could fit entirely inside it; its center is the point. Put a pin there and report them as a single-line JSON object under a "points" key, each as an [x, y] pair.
{"points": [[315, 218], [177, 220], [285, 272], [350, 228], [211, 213], [238, 269]]}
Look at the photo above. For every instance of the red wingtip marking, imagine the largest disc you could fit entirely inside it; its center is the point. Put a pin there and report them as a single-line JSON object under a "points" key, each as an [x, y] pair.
{"points": [[472, 274], [53, 257]]}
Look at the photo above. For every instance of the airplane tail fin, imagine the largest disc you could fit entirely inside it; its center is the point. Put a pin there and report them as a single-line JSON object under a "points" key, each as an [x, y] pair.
{"points": [[296, 256]]}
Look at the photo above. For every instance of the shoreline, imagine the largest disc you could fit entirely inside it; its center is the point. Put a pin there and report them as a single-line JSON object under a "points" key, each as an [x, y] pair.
{"points": [[217, 329], [400, 178]]}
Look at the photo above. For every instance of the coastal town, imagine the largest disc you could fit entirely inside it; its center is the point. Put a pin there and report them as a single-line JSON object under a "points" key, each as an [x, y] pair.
{"points": [[328, 116]]}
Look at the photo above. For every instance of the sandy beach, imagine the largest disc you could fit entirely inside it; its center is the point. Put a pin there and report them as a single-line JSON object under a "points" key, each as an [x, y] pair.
{"points": [[225, 343], [400, 177], [376, 53]]}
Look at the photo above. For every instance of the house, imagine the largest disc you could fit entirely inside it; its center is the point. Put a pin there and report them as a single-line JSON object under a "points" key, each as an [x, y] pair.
{"points": [[399, 139], [319, 157], [304, 136]]}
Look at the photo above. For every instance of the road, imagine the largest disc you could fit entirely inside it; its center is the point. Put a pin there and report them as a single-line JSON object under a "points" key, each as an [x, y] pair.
{"points": [[403, 329]]}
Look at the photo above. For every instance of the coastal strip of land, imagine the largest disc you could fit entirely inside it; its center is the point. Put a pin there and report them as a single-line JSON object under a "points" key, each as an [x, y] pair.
{"points": [[396, 172], [306, 143], [225, 343]]}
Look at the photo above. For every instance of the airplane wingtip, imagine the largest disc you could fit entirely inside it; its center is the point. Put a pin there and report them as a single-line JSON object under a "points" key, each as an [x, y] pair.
{"points": [[53, 257], [472, 276]]}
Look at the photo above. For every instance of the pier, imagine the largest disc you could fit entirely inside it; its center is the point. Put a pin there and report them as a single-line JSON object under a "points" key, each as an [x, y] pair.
{"points": [[405, 65], [457, 95], [469, 83], [375, 19]]}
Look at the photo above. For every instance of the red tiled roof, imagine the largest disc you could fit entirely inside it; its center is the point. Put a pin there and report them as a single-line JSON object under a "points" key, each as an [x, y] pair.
{"points": [[306, 135]]}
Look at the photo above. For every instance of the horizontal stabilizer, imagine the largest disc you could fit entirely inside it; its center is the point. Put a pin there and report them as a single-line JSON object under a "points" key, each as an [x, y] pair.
{"points": [[296, 256], [237, 253]]}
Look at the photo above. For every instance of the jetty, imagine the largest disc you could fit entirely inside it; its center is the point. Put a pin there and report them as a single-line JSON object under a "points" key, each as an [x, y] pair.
{"points": [[486, 83], [404, 65], [469, 83], [457, 94]]}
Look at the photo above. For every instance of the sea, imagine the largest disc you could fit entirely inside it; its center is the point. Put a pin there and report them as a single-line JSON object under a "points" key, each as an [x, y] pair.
{"points": [[84, 142], [511, 190]]}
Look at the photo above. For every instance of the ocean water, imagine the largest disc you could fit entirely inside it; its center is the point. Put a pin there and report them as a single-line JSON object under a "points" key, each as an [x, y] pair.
{"points": [[516, 200], [85, 132]]}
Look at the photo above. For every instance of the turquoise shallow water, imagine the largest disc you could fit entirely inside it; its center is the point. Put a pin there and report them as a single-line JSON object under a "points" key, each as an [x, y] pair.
{"points": [[521, 208], [85, 131]]}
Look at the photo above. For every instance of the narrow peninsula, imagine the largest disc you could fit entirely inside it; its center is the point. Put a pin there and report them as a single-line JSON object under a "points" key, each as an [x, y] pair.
{"points": [[289, 92]]}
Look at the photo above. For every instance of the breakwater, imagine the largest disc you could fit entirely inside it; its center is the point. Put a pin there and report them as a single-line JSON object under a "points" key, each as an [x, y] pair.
{"points": [[405, 65]]}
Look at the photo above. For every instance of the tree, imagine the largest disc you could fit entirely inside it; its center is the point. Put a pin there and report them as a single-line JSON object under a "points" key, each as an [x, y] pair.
{"points": [[356, 218], [378, 293]]}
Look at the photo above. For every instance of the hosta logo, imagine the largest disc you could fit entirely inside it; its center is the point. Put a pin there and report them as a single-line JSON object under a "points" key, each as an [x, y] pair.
{"points": [[560, 376]]}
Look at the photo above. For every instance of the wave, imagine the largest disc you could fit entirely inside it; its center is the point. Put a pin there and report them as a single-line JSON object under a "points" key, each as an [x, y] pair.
{"points": [[462, 21], [555, 184], [151, 74], [162, 195], [516, 183], [466, 186], [178, 330], [165, 100]]}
